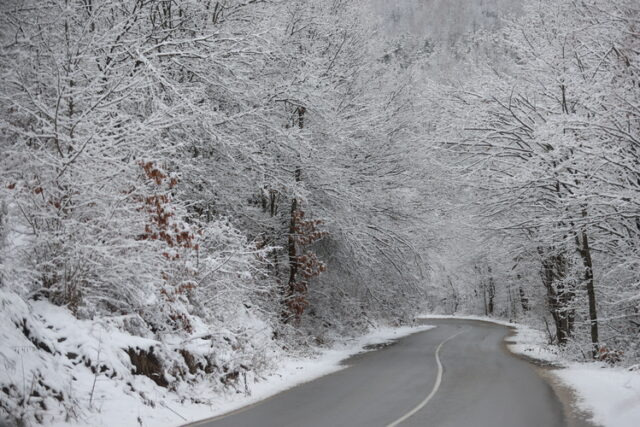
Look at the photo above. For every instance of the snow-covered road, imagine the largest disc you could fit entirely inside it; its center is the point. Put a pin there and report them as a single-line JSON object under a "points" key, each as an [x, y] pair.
{"points": [[482, 384]]}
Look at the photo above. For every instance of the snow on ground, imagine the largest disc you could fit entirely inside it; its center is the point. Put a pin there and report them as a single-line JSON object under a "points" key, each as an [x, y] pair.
{"points": [[610, 394], [117, 407]]}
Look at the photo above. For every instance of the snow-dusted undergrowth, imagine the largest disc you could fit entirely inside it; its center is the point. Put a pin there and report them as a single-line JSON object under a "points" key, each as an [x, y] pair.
{"points": [[57, 368]]}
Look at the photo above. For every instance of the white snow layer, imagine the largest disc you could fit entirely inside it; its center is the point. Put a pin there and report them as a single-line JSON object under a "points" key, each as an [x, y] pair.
{"points": [[612, 395]]}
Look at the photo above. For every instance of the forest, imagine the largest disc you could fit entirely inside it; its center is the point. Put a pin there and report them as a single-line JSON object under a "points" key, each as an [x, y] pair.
{"points": [[190, 189]]}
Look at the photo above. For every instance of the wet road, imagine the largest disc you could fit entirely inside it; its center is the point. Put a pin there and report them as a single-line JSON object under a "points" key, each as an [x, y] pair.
{"points": [[456, 375]]}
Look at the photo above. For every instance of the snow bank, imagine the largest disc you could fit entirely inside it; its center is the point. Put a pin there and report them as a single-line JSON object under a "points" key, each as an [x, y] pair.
{"points": [[612, 395], [57, 367], [61, 370]]}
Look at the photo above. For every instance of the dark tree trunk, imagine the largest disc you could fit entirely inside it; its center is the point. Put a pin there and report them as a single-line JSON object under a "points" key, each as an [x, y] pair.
{"points": [[454, 295], [524, 301], [292, 290], [560, 295], [491, 294], [585, 254], [292, 247], [483, 287]]}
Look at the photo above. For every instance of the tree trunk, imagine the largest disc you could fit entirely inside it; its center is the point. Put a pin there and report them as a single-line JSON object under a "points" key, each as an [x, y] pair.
{"points": [[292, 246], [491, 294], [585, 254], [454, 294], [559, 295], [524, 301]]}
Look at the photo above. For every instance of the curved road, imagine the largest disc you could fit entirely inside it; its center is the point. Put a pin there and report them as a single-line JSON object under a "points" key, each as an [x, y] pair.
{"points": [[474, 382]]}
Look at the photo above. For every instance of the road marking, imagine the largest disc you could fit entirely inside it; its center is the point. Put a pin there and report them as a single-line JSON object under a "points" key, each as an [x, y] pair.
{"points": [[435, 388]]}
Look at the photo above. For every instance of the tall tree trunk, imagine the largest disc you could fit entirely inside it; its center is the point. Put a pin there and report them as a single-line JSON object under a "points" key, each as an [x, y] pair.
{"points": [[524, 301], [292, 290], [560, 295], [585, 254], [491, 293], [292, 247], [483, 287], [454, 294]]}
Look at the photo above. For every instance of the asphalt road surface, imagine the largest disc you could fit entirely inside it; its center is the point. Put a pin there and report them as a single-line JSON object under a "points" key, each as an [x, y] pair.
{"points": [[457, 375]]}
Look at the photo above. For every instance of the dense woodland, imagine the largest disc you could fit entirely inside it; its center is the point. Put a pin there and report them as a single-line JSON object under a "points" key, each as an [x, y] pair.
{"points": [[220, 181]]}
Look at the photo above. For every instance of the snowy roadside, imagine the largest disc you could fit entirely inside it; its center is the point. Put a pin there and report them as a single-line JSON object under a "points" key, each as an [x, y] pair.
{"points": [[123, 410], [610, 394]]}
